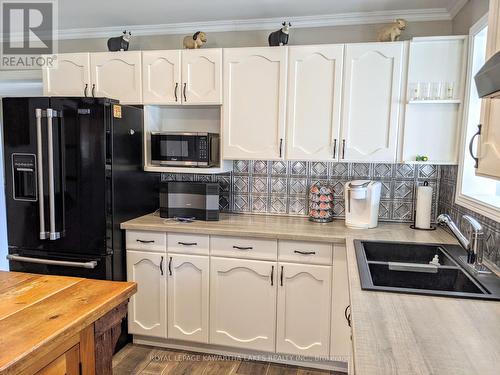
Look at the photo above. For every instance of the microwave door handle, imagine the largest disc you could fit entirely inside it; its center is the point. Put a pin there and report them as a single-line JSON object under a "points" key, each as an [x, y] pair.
{"points": [[50, 145], [39, 157]]}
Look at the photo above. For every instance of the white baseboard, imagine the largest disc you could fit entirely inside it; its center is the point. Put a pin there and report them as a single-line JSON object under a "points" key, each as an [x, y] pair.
{"points": [[287, 359]]}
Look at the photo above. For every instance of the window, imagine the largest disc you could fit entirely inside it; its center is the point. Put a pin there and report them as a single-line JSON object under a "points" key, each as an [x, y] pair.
{"points": [[477, 193]]}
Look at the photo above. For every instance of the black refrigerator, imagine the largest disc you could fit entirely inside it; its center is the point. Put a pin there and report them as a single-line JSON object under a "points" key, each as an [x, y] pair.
{"points": [[73, 173]]}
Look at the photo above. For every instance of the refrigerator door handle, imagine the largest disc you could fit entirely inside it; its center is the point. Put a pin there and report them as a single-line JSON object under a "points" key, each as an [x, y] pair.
{"points": [[39, 150], [18, 258], [52, 207]]}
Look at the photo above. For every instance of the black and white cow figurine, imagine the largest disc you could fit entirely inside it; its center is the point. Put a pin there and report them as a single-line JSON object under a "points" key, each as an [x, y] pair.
{"points": [[119, 43], [280, 37]]}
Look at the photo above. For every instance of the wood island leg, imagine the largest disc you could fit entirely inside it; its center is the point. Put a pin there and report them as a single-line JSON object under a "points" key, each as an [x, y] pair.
{"points": [[107, 330], [87, 351]]}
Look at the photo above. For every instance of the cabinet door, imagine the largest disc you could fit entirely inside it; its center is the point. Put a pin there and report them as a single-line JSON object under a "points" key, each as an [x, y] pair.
{"points": [[202, 76], [341, 345], [313, 108], [147, 310], [371, 101], [254, 103], [70, 76], [117, 75], [489, 146], [304, 295], [243, 303], [188, 297], [161, 77]]}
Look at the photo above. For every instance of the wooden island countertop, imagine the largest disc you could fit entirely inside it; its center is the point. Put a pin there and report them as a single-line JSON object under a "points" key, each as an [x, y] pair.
{"points": [[42, 316]]}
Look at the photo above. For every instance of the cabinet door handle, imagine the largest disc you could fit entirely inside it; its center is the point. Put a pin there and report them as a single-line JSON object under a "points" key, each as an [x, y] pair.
{"points": [[93, 90], [85, 89], [144, 241], [304, 252], [281, 146], [175, 90], [281, 276], [161, 266], [348, 316], [334, 148], [243, 247], [184, 92], [272, 275], [476, 159], [170, 266], [187, 243], [343, 149]]}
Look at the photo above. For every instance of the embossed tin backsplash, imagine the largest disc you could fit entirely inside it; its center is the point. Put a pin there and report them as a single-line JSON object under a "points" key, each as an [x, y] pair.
{"points": [[281, 187], [447, 205]]}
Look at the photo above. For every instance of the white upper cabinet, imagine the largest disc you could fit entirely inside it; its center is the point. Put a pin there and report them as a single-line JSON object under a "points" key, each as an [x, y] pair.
{"points": [[117, 75], [147, 310], [243, 303], [432, 124], [254, 103], [188, 297], [202, 76], [304, 301], [70, 76], [161, 77], [371, 101], [489, 141], [313, 108]]}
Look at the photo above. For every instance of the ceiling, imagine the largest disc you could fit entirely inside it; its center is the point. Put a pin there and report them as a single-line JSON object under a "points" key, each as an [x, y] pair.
{"points": [[146, 16]]}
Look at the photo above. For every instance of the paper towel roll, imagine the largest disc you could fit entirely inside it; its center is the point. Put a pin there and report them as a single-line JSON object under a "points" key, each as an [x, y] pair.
{"points": [[424, 207]]}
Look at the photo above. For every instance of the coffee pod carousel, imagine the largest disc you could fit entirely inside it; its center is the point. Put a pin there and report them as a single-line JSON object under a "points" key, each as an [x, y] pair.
{"points": [[320, 203]]}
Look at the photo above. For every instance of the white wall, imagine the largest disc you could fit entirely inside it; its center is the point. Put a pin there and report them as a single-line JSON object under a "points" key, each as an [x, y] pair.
{"points": [[322, 35], [468, 16]]}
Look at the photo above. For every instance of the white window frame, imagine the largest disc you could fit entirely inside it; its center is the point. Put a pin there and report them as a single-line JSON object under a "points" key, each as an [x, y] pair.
{"points": [[463, 200]]}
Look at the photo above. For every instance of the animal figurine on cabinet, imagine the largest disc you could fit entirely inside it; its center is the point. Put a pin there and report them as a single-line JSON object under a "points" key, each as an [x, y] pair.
{"points": [[280, 37], [391, 33], [119, 43], [198, 39]]}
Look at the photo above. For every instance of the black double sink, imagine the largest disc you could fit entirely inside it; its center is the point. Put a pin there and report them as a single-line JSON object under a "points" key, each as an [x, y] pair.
{"points": [[408, 268]]}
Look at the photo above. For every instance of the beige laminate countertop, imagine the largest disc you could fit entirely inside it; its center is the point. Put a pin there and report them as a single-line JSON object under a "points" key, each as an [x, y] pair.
{"points": [[393, 333]]}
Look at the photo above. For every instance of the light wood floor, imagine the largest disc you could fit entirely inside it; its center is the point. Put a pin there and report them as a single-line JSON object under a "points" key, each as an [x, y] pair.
{"points": [[148, 360]]}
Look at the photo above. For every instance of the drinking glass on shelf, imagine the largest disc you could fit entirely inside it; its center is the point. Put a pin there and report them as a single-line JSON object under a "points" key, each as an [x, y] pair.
{"points": [[437, 90], [415, 91], [425, 88], [449, 90]]}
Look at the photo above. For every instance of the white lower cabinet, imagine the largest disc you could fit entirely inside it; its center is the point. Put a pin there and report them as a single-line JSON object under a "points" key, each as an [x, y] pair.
{"points": [[188, 297], [304, 295], [265, 295], [341, 344], [243, 303], [147, 310]]}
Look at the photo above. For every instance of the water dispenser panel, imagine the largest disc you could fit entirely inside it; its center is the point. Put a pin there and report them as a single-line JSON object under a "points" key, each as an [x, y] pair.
{"points": [[24, 173]]}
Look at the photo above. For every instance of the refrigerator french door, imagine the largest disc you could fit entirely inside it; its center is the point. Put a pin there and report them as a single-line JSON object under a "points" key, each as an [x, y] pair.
{"points": [[73, 173]]}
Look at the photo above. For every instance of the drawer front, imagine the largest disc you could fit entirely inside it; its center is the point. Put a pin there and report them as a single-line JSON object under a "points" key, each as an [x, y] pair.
{"points": [[305, 252], [242, 247], [146, 240], [185, 243]]}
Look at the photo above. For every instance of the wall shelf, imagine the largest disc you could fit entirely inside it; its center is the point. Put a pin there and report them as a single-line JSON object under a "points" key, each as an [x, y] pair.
{"points": [[441, 101]]}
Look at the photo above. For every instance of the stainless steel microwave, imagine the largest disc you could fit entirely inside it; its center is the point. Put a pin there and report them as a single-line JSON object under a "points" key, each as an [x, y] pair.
{"points": [[185, 149]]}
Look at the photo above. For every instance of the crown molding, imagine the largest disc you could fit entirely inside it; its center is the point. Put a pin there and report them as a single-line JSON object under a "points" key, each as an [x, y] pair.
{"points": [[456, 6], [340, 19]]}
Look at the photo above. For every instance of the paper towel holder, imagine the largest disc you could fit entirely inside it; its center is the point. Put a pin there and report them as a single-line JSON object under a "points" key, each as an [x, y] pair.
{"points": [[413, 226]]}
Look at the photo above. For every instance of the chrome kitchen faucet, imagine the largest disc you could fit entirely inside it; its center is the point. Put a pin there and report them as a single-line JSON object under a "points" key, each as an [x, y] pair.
{"points": [[472, 244]]}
